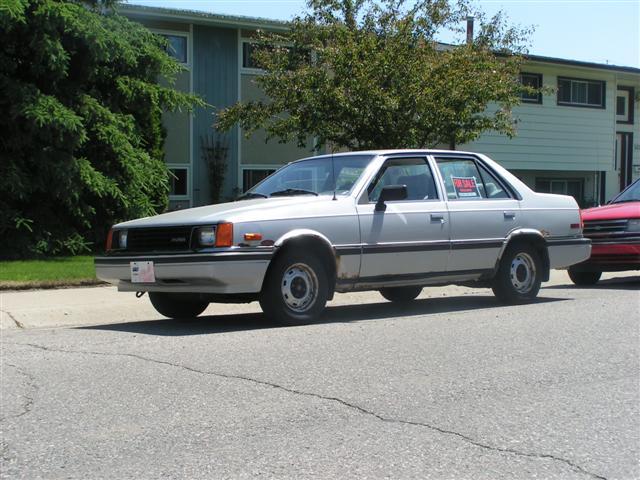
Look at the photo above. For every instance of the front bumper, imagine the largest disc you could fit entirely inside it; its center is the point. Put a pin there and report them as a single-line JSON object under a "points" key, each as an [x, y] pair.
{"points": [[612, 257], [226, 272]]}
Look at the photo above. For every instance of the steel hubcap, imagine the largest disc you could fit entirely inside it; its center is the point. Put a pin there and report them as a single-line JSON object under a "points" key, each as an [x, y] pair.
{"points": [[523, 273], [299, 287]]}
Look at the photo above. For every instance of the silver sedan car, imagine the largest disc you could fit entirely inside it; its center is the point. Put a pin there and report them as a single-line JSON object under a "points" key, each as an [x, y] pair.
{"points": [[394, 221]]}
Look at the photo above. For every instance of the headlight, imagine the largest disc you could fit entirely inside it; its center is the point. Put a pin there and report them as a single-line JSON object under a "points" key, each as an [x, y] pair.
{"points": [[633, 225], [122, 239], [207, 236]]}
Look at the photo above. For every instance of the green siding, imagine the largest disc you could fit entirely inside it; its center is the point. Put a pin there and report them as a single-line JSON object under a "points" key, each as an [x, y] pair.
{"points": [[176, 145], [255, 150], [555, 137], [215, 79]]}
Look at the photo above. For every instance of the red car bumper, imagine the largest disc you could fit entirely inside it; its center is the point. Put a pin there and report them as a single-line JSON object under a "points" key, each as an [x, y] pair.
{"points": [[611, 257]]}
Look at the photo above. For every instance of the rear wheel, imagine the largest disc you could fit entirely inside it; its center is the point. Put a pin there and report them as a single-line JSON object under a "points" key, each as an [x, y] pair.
{"points": [[519, 275], [177, 305], [584, 278], [296, 289], [400, 294]]}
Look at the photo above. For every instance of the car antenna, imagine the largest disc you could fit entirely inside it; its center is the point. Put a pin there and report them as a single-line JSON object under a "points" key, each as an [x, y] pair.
{"points": [[333, 174]]}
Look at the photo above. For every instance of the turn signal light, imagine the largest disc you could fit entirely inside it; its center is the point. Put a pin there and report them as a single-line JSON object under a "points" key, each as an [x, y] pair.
{"points": [[224, 235], [252, 237]]}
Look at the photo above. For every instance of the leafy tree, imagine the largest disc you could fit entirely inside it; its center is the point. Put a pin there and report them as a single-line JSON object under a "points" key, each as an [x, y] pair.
{"points": [[81, 144], [365, 74]]}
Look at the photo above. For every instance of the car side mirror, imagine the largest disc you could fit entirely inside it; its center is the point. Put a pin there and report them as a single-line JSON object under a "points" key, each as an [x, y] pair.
{"points": [[389, 194]]}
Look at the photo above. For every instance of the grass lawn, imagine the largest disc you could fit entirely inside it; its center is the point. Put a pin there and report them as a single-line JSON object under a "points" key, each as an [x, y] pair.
{"points": [[51, 272]]}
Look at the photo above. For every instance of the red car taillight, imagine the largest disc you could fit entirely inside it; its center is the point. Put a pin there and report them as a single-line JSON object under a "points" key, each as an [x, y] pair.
{"points": [[578, 225], [107, 245]]}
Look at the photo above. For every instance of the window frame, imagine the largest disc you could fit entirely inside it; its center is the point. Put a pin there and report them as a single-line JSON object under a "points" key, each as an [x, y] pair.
{"points": [[243, 69], [630, 104], [532, 101], [380, 172], [506, 186], [603, 89], [177, 33], [181, 166]]}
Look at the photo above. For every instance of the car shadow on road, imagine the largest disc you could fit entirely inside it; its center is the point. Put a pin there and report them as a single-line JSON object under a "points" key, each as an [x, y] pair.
{"points": [[621, 283], [212, 324]]}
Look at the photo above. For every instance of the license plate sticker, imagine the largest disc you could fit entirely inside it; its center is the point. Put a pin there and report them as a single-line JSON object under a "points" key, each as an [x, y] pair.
{"points": [[142, 272]]}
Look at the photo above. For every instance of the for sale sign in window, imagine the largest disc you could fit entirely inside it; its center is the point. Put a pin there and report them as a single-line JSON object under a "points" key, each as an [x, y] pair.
{"points": [[466, 187]]}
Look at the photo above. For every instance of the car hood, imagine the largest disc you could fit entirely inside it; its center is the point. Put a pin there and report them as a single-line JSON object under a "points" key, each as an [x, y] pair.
{"points": [[242, 210], [613, 211]]}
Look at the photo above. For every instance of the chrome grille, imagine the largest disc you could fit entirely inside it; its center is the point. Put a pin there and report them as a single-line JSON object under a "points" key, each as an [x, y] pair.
{"points": [[604, 228], [159, 239]]}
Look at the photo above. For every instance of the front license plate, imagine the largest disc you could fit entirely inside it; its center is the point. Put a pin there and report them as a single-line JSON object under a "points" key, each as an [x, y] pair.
{"points": [[142, 272]]}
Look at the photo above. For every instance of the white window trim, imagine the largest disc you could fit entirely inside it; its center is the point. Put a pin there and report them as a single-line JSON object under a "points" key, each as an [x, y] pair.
{"points": [[189, 194], [179, 33]]}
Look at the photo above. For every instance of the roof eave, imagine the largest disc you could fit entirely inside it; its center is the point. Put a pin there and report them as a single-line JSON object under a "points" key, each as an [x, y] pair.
{"points": [[202, 18]]}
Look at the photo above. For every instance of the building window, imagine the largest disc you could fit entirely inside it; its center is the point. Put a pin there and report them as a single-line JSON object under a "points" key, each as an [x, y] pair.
{"points": [[581, 93], [533, 80], [178, 182], [252, 176], [248, 55], [624, 105], [562, 186], [177, 47]]}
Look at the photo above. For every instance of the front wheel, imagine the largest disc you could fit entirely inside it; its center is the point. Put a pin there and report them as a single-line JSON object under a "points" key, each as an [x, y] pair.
{"points": [[296, 289], [177, 305], [400, 294], [584, 278], [519, 275]]}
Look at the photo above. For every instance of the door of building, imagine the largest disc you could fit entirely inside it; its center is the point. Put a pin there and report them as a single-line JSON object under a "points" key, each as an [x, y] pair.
{"points": [[624, 158]]}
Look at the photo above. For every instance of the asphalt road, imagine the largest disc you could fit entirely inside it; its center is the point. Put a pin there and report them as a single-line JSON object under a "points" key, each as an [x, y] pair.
{"points": [[452, 386]]}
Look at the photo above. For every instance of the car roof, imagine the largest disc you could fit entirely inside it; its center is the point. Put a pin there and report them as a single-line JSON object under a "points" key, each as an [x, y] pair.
{"points": [[389, 152]]}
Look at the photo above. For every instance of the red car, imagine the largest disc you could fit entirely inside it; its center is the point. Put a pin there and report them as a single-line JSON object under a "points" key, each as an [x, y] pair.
{"points": [[614, 230]]}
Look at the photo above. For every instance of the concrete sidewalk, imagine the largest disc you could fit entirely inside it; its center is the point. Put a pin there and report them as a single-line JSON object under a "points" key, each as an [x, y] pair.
{"points": [[104, 304]]}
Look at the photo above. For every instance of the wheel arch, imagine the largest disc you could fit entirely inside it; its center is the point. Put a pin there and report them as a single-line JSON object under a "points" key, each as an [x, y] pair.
{"points": [[534, 238], [308, 240]]}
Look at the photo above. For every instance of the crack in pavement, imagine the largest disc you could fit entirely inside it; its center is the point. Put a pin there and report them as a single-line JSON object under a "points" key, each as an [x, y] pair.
{"points": [[15, 320], [352, 406], [29, 401]]}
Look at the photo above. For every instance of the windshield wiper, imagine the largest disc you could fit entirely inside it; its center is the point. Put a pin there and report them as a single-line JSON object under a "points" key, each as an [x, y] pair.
{"points": [[248, 195], [292, 191], [627, 200]]}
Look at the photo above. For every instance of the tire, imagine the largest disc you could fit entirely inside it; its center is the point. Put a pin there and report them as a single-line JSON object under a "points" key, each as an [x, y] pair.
{"points": [[296, 289], [177, 305], [400, 294], [584, 278], [519, 275]]}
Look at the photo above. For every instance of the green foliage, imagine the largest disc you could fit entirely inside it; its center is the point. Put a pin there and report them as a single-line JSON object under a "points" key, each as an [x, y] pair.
{"points": [[364, 74], [82, 137]]}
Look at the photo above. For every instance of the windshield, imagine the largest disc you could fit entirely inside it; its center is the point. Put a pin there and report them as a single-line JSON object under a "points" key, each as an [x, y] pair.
{"points": [[631, 194], [313, 177]]}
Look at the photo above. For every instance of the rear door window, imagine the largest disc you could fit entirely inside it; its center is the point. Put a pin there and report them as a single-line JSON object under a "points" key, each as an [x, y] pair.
{"points": [[464, 179]]}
